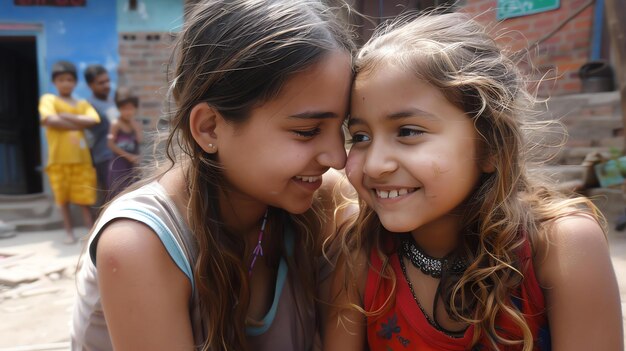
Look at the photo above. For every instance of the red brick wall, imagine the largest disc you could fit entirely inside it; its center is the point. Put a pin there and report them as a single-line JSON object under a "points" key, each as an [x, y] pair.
{"points": [[559, 56], [390, 9], [143, 59]]}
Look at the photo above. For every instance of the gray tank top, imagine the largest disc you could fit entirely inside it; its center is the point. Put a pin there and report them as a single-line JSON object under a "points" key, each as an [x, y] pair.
{"points": [[288, 325]]}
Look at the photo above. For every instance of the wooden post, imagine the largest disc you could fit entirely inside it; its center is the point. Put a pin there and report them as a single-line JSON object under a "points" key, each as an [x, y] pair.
{"points": [[617, 31]]}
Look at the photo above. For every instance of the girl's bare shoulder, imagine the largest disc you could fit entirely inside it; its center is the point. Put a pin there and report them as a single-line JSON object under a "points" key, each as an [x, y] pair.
{"points": [[566, 241], [139, 282], [128, 241], [575, 271]]}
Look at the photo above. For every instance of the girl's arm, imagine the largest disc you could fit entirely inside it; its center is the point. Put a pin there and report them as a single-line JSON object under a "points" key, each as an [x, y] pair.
{"points": [[344, 328], [116, 149], [582, 298], [113, 130], [138, 132], [145, 296]]}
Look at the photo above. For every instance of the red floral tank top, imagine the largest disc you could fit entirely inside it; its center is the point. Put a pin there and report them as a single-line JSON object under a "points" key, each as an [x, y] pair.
{"points": [[405, 327]]}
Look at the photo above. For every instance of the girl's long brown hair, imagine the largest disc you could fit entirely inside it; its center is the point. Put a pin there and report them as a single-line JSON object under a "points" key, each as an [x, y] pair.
{"points": [[456, 55], [234, 56]]}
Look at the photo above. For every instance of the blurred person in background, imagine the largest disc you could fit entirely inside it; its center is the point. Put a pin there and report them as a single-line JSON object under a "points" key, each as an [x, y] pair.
{"points": [[99, 82], [70, 171], [124, 138]]}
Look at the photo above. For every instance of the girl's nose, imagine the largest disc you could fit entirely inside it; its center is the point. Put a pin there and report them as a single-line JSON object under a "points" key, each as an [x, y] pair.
{"points": [[333, 152], [379, 161]]}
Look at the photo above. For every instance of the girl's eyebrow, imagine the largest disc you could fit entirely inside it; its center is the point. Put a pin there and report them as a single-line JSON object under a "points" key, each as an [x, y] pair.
{"points": [[314, 115], [411, 112], [354, 121]]}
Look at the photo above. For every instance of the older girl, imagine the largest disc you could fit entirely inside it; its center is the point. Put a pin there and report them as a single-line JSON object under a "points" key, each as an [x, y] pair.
{"points": [[218, 252]]}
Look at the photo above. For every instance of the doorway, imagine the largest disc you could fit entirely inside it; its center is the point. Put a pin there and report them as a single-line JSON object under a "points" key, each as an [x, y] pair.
{"points": [[20, 144]]}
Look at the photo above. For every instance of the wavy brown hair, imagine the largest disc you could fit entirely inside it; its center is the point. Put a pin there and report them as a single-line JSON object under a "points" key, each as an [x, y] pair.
{"points": [[456, 55], [236, 55]]}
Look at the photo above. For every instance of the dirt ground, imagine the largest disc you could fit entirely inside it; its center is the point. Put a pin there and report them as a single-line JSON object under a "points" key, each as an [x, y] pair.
{"points": [[36, 316]]}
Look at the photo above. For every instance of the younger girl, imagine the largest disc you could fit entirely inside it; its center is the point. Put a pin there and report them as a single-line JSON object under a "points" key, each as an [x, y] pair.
{"points": [[124, 139], [455, 246], [218, 251]]}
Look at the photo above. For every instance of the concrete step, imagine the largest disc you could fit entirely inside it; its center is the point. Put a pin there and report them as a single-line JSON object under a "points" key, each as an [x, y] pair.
{"points": [[30, 212], [7, 230], [588, 104], [566, 178], [17, 205], [609, 120], [53, 221], [593, 127], [610, 201], [594, 124], [575, 155]]}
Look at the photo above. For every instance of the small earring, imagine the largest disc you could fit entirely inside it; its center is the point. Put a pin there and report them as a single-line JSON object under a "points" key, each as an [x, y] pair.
{"points": [[211, 146]]}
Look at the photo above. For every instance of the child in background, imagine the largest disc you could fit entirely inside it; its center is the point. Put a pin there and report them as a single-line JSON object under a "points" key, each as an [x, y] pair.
{"points": [[124, 140], [456, 247], [70, 170], [218, 250]]}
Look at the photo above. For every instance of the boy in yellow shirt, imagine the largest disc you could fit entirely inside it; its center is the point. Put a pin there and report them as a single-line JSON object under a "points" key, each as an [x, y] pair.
{"points": [[72, 176]]}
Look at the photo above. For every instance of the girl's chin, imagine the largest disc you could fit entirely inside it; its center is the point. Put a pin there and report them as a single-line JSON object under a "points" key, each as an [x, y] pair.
{"points": [[299, 208], [395, 226]]}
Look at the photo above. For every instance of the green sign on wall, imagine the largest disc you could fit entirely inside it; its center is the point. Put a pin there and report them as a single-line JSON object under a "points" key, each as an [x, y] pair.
{"points": [[516, 8]]}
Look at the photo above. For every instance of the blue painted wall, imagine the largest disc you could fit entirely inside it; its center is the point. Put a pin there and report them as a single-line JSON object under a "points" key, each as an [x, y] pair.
{"points": [[83, 35], [150, 16]]}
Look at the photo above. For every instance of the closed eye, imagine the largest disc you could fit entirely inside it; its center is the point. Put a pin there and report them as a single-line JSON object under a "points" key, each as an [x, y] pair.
{"points": [[307, 133], [409, 132]]}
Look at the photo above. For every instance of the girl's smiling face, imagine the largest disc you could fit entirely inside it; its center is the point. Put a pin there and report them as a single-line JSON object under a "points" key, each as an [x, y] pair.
{"points": [[277, 157], [414, 157]]}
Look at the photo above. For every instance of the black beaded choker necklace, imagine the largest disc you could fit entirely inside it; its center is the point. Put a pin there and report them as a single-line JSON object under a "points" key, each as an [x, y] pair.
{"points": [[427, 264]]}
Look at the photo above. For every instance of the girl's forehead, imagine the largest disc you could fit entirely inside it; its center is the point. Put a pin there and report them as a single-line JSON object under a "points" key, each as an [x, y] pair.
{"points": [[324, 85], [383, 71], [392, 94], [378, 80]]}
